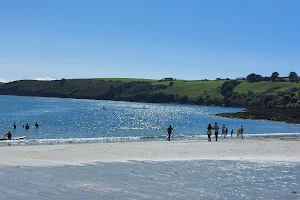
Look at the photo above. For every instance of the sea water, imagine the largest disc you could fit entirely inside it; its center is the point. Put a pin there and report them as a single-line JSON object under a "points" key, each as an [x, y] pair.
{"points": [[83, 121], [207, 180]]}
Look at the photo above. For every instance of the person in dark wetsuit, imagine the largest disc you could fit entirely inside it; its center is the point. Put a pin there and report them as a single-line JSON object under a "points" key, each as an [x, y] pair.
{"points": [[27, 126], [170, 129], [36, 125], [209, 128], [15, 125], [9, 135]]}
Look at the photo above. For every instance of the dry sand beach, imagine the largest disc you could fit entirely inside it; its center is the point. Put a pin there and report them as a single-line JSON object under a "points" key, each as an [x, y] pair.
{"points": [[273, 149]]}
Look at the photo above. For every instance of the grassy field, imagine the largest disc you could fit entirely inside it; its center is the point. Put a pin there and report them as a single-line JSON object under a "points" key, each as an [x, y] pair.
{"points": [[265, 86], [127, 79], [193, 89]]}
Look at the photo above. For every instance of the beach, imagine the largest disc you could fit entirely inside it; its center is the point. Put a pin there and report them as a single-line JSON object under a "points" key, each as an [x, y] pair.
{"points": [[268, 149], [266, 168]]}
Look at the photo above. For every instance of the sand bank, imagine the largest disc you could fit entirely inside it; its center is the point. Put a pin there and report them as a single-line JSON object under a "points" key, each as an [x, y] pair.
{"points": [[279, 149]]}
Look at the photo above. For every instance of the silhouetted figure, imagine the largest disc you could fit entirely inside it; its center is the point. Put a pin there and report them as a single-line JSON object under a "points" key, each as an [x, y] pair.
{"points": [[170, 129], [216, 128], [27, 126], [36, 125], [9, 135], [15, 125], [209, 128]]}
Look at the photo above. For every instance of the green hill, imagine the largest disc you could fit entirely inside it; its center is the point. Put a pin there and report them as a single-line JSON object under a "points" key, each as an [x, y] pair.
{"points": [[206, 92]]}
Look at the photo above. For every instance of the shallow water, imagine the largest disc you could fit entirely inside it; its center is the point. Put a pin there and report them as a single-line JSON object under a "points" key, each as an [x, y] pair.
{"points": [[154, 180], [82, 121]]}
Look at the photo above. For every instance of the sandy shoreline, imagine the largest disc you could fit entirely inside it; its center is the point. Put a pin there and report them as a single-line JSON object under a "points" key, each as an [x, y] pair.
{"points": [[279, 149]]}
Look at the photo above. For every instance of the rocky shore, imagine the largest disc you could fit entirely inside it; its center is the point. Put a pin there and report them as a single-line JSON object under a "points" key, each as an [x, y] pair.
{"points": [[290, 115]]}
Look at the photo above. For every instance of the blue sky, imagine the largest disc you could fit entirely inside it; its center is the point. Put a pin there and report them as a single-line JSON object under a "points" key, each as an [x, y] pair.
{"points": [[190, 39]]}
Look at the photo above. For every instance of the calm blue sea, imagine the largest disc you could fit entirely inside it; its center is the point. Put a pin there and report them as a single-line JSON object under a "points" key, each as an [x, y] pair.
{"points": [[79, 121]]}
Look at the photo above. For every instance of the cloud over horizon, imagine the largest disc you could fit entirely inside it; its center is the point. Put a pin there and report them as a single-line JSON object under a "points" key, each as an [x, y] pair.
{"points": [[44, 79], [3, 80]]}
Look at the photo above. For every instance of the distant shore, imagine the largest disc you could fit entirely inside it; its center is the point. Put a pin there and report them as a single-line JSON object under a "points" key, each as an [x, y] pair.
{"points": [[267, 149], [290, 115]]}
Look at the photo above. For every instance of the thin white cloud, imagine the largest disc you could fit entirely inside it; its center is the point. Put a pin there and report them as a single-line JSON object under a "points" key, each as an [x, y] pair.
{"points": [[44, 79], [3, 80]]}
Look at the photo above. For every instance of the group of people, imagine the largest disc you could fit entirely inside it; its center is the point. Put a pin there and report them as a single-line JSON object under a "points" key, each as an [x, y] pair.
{"points": [[8, 135], [26, 126], [240, 131]]}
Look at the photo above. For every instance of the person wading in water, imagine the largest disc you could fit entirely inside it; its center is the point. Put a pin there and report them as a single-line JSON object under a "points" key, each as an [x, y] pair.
{"points": [[170, 129]]}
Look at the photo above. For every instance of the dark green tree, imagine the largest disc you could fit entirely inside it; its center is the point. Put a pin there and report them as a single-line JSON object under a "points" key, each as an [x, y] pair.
{"points": [[251, 77], [275, 76], [258, 78], [254, 77], [293, 77]]}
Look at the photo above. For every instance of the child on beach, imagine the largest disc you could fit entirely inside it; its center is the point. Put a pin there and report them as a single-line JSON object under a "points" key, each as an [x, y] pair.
{"points": [[238, 132], [223, 130]]}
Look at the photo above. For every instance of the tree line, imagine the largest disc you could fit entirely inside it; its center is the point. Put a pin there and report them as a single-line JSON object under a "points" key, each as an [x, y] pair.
{"points": [[293, 77]]}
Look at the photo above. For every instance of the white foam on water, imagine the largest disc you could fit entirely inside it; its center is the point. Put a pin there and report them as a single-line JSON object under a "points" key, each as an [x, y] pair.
{"points": [[53, 141]]}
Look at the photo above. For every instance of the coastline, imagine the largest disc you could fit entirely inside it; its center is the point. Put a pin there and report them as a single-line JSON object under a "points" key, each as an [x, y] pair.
{"points": [[289, 115], [278, 114], [281, 149]]}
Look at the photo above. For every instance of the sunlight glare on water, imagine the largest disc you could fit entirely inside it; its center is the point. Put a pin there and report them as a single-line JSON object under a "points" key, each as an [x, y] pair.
{"points": [[73, 118]]}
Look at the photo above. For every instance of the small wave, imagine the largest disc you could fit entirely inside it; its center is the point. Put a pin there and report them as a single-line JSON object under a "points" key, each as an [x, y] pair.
{"points": [[53, 141]]}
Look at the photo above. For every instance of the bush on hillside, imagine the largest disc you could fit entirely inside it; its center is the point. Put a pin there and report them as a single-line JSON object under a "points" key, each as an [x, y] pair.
{"points": [[293, 100], [228, 86], [200, 101], [270, 104], [266, 100]]}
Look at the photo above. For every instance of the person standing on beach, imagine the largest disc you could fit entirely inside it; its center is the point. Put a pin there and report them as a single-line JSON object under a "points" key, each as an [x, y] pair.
{"points": [[209, 128], [231, 132], [216, 128], [226, 132], [170, 129], [242, 132], [238, 132], [223, 130]]}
